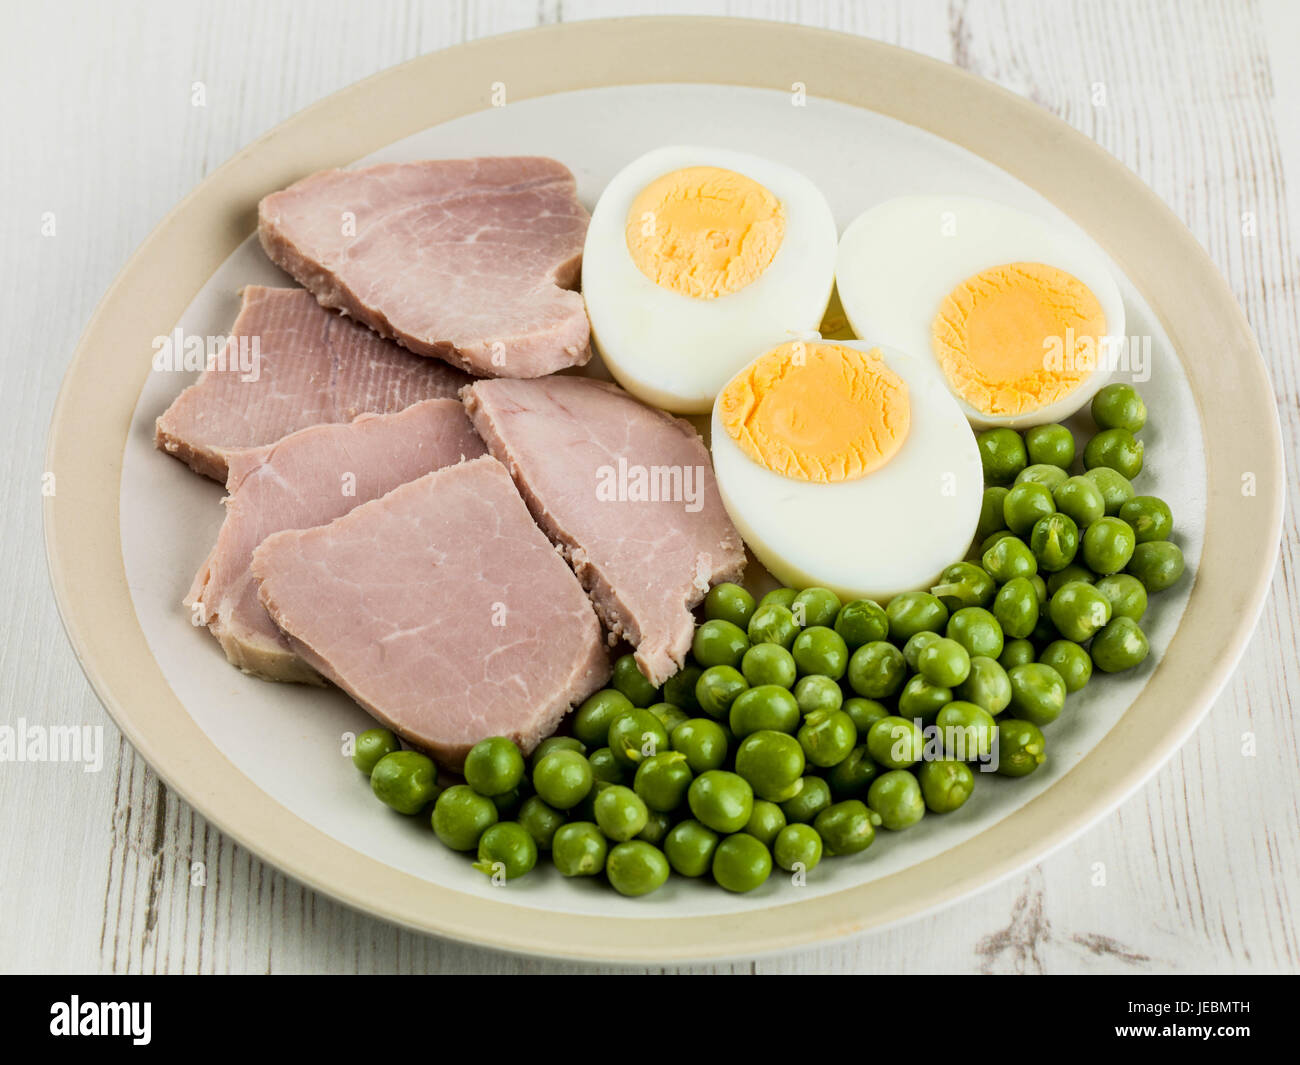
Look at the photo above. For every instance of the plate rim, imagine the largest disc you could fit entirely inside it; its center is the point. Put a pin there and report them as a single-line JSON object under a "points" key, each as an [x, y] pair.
{"points": [[92, 417]]}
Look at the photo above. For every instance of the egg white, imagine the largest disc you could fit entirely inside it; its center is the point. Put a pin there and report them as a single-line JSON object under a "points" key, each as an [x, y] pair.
{"points": [[898, 261], [675, 351], [891, 531]]}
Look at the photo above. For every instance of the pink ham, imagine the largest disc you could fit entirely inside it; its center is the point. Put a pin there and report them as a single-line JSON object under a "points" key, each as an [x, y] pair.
{"points": [[469, 260], [313, 367], [626, 492], [442, 609], [307, 479]]}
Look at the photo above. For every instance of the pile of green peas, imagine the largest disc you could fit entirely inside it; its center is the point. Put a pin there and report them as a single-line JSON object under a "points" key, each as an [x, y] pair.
{"points": [[794, 729]]}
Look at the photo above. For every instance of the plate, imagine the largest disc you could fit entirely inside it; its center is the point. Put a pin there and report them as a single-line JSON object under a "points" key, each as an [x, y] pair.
{"points": [[127, 527]]}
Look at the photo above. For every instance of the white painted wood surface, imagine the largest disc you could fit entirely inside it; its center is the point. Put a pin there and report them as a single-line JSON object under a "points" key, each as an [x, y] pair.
{"points": [[1200, 865]]}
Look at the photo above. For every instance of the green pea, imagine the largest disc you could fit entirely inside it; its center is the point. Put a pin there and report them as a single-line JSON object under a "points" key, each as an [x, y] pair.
{"points": [[969, 731], [1075, 571], [1040, 588], [861, 621], [494, 766], [847, 827], [563, 778], [1114, 486], [729, 602], [964, 584], [945, 785], [723, 801], [741, 863], [578, 849], [604, 766], [1050, 477], [821, 651], [1008, 558], [1157, 564], [669, 716], [1044, 632], [896, 797], [1120, 645], [703, 742], [922, 699], [662, 780], [813, 797], [371, 746], [1014, 653], [629, 680], [636, 735], [1016, 608], [1037, 693], [1054, 540], [679, 689], [540, 821], [977, 630], [916, 644], [1002, 453], [779, 597], [913, 612], [990, 540], [461, 816], [798, 848], [656, 828], [1150, 518], [1126, 594], [764, 707], [555, 743], [854, 775], [944, 662], [1117, 449], [1021, 748], [988, 685], [865, 712], [405, 780], [717, 689], [771, 763], [507, 803], [591, 722], [1071, 661], [586, 810], [769, 663], [815, 692], [1108, 545], [895, 742], [720, 643], [1025, 504], [1080, 499], [636, 868], [827, 737], [991, 519], [1078, 611], [1119, 406], [506, 849], [766, 822], [773, 623], [689, 847], [1051, 445], [620, 812], [815, 606]]}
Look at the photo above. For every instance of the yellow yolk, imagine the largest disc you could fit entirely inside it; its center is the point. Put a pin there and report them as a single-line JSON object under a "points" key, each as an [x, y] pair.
{"points": [[1018, 337], [817, 411], [704, 232]]}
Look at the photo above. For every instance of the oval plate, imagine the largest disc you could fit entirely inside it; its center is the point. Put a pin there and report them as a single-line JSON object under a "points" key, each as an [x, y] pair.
{"points": [[1156, 253]]}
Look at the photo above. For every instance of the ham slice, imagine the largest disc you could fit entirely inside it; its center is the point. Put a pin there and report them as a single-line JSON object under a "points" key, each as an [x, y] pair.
{"points": [[442, 609], [313, 367], [626, 492], [307, 479], [470, 260]]}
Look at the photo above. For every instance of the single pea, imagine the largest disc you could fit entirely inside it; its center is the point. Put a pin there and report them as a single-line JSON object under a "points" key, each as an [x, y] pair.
{"points": [[1071, 661], [988, 685], [798, 849], [563, 779], [1120, 645], [977, 630], [729, 602], [990, 540], [494, 766], [1080, 499], [1014, 653], [703, 742], [772, 763], [773, 623], [720, 643], [854, 775], [689, 847], [1108, 545], [813, 797], [372, 745], [1021, 748], [629, 680], [827, 737], [764, 707], [1157, 564], [507, 803], [1117, 449], [815, 606], [741, 863], [604, 766], [944, 662], [895, 742], [1119, 406], [861, 621], [921, 699], [679, 689], [591, 722], [586, 810], [991, 519], [723, 801], [847, 827], [662, 780], [945, 784], [1075, 571], [864, 712], [1078, 611], [1002, 453], [656, 828], [669, 716], [779, 597], [636, 868], [506, 849], [636, 735], [578, 849], [405, 780], [1126, 594], [913, 612], [461, 815], [969, 731], [540, 821], [1116, 490], [1054, 540], [1037, 693], [717, 689], [769, 663], [821, 652], [1009, 557], [1025, 504], [1051, 445], [964, 584], [766, 822], [896, 797], [1040, 589], [620, 812], [816, 692], [916, 644], [1150, 518], [1016, 608], [555, 743]]}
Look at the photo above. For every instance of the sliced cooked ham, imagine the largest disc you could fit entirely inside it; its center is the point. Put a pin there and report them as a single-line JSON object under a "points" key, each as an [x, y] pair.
{"points": [[629, 496], [313, 367], [469, 260], [307, 479], [442, 609]]}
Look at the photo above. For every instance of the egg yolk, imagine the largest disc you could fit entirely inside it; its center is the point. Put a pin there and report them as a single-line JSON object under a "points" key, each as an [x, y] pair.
{"points": [[704, 232], [817, 412], [1018, 337]]}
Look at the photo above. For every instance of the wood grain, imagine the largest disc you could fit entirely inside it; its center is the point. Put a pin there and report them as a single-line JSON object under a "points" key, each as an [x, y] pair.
{"points": [[98, 870]]}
